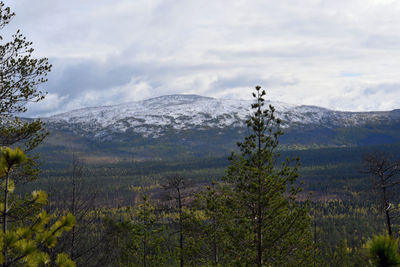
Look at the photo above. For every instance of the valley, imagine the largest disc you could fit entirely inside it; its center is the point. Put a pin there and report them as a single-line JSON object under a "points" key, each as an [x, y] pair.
{"points": [[131, 146], [196, 135]]}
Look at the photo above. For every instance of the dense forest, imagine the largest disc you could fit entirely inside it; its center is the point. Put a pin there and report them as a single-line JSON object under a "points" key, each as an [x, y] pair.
{"points": [[265, 205]]}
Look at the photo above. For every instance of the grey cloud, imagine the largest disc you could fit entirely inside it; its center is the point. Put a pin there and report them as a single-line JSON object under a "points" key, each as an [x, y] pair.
{"points": [[73, 78], [383, 89], [305, 51], [381, 41], [241, 80], [381, 96]]}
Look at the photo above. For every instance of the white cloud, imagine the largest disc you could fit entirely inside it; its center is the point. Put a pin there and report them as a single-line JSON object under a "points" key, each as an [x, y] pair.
{"points": [[48, 105], [305, 52]]}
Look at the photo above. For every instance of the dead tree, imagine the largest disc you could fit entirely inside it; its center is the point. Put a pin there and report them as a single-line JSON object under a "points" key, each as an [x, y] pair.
{"points": [[178, 191], [384, 171], [78, 197]]}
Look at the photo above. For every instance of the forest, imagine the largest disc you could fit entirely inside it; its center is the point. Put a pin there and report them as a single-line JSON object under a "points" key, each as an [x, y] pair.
{"points": [[264, 205]]}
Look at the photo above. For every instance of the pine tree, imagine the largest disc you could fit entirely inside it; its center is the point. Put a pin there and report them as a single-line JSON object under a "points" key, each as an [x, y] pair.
{"points": [[384, 251], [146, 240], [211, 237], [267, 225], [20, 75], [25, 226], [385, 177], [178, 193]]}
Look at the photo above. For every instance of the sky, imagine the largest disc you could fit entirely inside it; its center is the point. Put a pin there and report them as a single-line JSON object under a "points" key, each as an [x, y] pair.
{"points": [[338, 54]]}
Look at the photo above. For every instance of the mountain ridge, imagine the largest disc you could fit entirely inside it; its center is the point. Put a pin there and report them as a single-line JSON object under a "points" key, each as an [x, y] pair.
{"points": [[193, 126], [152, 117]]}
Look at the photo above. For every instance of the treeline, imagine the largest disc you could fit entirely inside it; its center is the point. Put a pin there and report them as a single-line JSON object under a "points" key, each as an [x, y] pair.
{"points": [[340, 229], [332, 172]]}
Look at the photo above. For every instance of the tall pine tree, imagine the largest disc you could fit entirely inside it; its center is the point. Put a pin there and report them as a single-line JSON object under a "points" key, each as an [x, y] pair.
{"points": [[267, 225]]}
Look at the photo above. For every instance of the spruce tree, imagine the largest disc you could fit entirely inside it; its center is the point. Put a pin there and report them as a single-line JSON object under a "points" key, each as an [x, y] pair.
{"points": [[267, 224]]}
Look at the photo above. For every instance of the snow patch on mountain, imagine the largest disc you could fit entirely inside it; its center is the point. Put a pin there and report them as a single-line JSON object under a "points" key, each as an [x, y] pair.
{"points": [[152, 117]]}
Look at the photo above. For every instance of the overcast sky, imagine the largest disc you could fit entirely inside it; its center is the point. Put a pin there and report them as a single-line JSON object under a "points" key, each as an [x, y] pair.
{"points": [[337, 54]]}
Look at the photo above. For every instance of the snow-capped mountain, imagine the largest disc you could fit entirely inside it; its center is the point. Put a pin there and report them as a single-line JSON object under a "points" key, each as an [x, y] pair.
{"points": [[153, 117]]}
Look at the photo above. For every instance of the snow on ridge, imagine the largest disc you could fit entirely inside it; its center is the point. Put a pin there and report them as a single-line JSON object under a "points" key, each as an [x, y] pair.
{"points": [[158, 111], [147, 117]]}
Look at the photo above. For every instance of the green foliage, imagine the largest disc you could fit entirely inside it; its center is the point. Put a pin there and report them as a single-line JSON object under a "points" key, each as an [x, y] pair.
{"points": [[26, 227], [21, 74], [266, 224], [64, 261], [24, 243], [10, 157], [211, 237], [146, 240], [383, 251]]}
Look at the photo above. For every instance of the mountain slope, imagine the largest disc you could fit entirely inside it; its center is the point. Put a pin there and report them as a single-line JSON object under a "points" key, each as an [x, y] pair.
{"points": [[156, 117]]}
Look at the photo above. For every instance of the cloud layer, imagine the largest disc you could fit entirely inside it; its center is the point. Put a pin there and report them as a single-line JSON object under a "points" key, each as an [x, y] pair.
{"points": [[337, 54]]}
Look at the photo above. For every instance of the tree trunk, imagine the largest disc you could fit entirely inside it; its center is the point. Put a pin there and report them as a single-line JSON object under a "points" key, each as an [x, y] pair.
{"points": [[389, 226], [5, 218], [386, 207], [180, 228], [73, 211]]}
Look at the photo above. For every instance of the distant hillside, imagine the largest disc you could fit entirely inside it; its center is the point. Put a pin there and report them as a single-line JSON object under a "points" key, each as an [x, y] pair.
{"points": [[191, 125]]}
